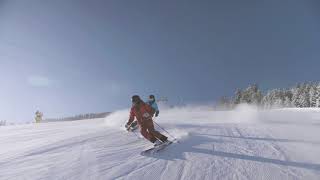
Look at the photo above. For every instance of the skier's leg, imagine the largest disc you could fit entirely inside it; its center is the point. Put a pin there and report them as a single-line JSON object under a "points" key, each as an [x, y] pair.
{"points": [[146, 134], [155, 133]]}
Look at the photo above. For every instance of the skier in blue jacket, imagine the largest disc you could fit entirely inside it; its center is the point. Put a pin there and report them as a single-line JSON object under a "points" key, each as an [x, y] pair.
{"points": [[152, 102]]}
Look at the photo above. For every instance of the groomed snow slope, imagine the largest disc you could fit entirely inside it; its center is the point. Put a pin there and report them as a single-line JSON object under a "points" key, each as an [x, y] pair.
{"points": [[241, 144]]}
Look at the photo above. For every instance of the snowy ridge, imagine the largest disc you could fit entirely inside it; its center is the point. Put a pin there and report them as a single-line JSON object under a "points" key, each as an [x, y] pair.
{"points": [[242, 144]]}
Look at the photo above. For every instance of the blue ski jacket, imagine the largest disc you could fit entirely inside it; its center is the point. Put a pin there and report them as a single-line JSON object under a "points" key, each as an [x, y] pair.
{"points": [[154, 105]]}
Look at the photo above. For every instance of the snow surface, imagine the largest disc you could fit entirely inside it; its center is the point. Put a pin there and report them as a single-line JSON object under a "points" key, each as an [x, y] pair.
{"points": [[242, 144]]}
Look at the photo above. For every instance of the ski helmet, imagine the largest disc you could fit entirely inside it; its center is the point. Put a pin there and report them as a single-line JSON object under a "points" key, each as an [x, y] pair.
{"points": [[151, 97], [135, 99]]}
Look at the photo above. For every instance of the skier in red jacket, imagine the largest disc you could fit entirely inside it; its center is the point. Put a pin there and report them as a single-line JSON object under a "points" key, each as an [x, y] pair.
{"points": [[143, 112]]}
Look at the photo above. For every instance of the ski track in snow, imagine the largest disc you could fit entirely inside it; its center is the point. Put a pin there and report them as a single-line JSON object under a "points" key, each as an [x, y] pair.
{"points": [[88, 149]]}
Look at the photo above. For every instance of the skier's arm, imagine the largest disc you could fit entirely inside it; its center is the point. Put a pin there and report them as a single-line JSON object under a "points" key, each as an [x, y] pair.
{"points": [[155, 107], [131, 118]]}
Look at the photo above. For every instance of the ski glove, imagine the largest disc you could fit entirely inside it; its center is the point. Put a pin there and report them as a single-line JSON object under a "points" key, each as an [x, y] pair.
{"points": [[157, 113]]}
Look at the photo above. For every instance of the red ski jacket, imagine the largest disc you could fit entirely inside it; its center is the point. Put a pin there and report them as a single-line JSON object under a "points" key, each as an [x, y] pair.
{"points": [[142, 112]]}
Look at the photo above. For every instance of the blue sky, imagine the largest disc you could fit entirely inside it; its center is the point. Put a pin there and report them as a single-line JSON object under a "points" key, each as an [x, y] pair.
{"points": [[70, 57]]}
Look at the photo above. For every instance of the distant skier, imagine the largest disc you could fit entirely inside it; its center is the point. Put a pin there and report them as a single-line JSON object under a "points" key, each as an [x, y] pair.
{"points": [[152, 102], [143, 113], [38, 117]]}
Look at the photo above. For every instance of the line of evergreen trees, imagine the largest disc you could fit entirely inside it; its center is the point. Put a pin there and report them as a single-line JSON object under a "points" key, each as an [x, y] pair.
{"points": [[302, 95]]}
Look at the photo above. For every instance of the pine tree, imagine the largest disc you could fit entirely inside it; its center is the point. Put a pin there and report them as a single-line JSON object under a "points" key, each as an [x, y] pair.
{"points": [[296, 95], [312, 95], [317, 95], [269, 99], [237, 97], [287, 98], [304, 96], [256, 95], [245, 97], [266, 100], [287, 102], [251, 95]]}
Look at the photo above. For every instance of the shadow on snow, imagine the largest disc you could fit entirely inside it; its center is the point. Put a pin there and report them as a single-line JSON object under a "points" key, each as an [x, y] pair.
{"points": [[178, 150]]}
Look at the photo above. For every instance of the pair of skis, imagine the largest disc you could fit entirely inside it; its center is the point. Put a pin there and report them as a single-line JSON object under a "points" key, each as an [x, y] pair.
{"points": [[131, 129], [153, 149], [156, 149]]}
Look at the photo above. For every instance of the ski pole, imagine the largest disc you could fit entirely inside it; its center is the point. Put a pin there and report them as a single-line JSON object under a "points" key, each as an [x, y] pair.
{"points": [[133, 131], [136, 134], [166, 132]]}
